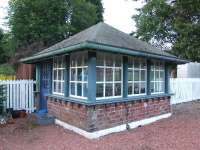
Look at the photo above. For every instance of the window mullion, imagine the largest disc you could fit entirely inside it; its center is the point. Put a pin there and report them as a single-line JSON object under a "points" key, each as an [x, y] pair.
{"points": [[104, 77], [133, 68], [113, 84]]}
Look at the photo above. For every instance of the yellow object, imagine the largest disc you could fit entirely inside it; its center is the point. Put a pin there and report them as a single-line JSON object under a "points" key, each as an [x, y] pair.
{"points": [[7, 77]]}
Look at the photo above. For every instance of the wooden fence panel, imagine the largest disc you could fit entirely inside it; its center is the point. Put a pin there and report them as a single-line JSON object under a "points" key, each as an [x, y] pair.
{"points": [[20, 94], [184, 89]]}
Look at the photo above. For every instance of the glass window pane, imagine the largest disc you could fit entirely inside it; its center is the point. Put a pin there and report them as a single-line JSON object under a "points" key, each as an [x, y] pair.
{"points": [[109, 74], [79, 60], [79, 89], [73, 74], [162, 87], [157, 76], [85, 72], [152, 66], [109, 60], [99, 92], [143, 75], [59, 87], [143, 88], [62, 87], [62, 74], [130, 88], [136, 88], [152, 87], [143, 64], [136, 75], [54, 87], [100, 59], [72, 88], [118, 61], [85, 89], [79, 74], [109, 89], [73, 62], [161, 66], [162, 76], [157, 87], [130, 75], [117, 89], [130, 63], [136, 64], [59, 74], [54, 63], [118, 74], [100, 74], [85, 59], [55, 75], [152, 75]]}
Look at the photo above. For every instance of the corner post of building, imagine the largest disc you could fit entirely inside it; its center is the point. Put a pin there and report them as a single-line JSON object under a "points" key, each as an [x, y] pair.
{"points": [[66, 75], [50, 71], [148, 77], [91, 76], [167, 78], [125, 76], [38, 74]]}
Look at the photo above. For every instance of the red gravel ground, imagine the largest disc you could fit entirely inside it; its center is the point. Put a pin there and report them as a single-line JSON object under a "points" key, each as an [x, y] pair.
{"points": [[180, 132]]}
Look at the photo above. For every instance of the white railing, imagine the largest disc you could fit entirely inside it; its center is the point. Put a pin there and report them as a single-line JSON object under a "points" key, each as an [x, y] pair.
{"points": [[20, 94], [184, 89]]}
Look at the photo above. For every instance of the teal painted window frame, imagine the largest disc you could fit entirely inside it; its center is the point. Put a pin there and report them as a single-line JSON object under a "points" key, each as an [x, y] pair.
{"points": [[91, 98], [104, 66]]}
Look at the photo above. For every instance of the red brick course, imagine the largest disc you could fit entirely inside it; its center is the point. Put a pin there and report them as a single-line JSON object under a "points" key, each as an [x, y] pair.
{"points": [[102, 116]]}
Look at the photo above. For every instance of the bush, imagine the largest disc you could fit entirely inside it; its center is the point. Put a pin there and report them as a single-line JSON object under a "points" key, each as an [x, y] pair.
{"points": [[6, 69]]}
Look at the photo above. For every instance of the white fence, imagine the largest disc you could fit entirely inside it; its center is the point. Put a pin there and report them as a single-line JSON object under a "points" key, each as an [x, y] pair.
{"points": [[20, 94], [184, 89]]}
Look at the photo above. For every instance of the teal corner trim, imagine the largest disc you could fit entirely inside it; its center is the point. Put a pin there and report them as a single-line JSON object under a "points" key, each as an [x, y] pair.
{"points": [[91, 76], [148, 77], [38, 72], [67, 75], [50, 71], [125, 76], [167, 78]]}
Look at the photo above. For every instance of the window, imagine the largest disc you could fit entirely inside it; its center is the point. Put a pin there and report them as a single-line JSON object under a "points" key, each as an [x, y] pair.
{"points": [[137, 72], [58, 75], [157, 77], [78, 75], [108, 76]]}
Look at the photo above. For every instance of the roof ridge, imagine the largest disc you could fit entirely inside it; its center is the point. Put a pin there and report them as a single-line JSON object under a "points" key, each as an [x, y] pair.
{"points": [[96, 31]]}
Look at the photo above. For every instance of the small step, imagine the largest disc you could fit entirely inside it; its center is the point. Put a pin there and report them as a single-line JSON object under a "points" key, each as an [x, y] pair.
{"points": [[44, 119]]}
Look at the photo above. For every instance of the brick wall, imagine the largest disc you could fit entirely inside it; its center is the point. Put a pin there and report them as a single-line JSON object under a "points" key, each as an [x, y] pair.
{"points": [[93, 118]]}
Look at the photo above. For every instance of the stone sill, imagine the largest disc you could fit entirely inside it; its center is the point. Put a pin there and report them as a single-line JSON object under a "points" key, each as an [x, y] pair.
{"points": [[108, 101]]}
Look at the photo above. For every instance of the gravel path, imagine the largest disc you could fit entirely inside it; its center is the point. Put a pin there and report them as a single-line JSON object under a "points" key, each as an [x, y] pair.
{"points": [[180, 132]]}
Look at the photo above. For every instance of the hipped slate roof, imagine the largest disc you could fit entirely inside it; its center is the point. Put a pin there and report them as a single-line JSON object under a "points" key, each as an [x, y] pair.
{"points": [[103, 37]]}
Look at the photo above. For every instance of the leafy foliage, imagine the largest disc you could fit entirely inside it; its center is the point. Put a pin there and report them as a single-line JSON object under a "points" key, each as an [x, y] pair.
{"points": [[6, 49], [50, 21], [83, 15], [39, 20], [6, 69], [176, 22], [99, 9]]}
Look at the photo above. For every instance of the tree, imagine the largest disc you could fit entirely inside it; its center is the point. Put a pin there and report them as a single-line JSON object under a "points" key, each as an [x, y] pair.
{"points": [[5, 52], [99, 9], [38, 21], [176, 22], [46, 22], [84, 15]]}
